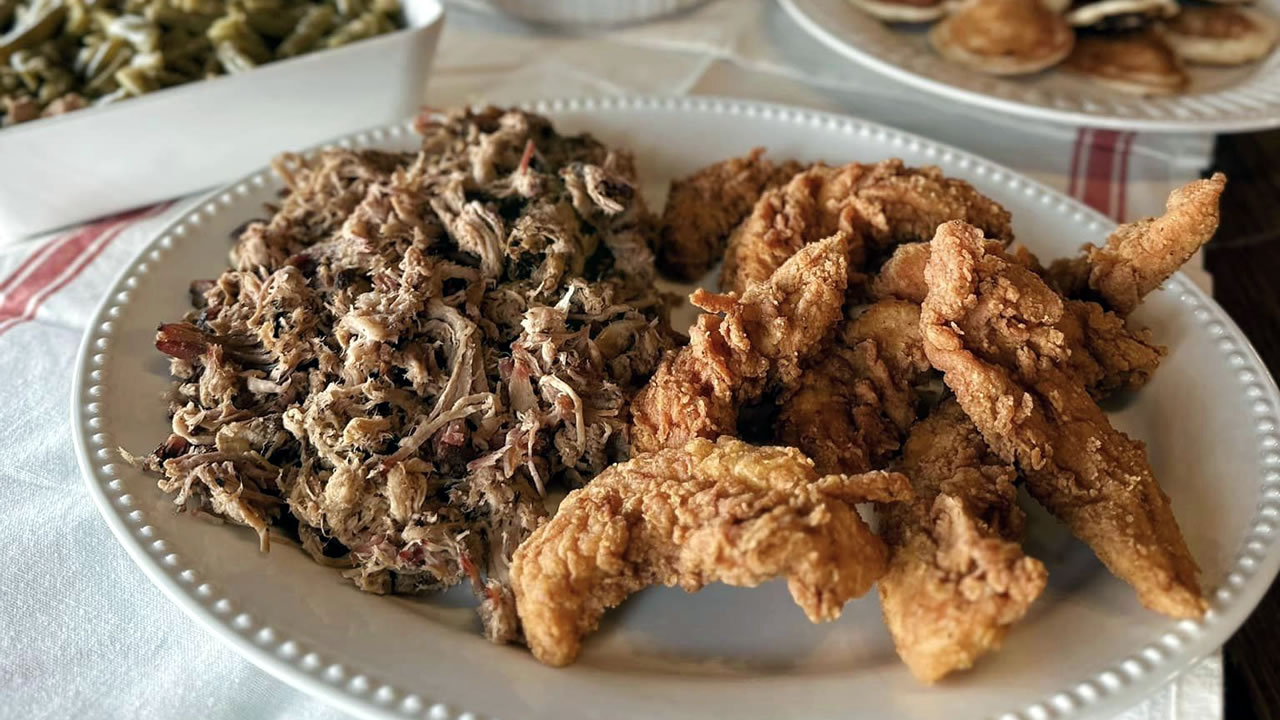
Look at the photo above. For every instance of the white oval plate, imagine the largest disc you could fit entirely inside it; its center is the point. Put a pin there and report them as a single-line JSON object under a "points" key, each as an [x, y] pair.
{"points": [[1220, 100], [1086, 650]]}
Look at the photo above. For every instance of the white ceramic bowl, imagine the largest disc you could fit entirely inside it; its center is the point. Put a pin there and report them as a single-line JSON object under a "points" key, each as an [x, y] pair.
{"points": [[63, 170], [591, 12]]}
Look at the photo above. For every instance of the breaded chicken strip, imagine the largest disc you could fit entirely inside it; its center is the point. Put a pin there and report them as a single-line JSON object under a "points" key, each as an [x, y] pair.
{"points": [[706, 512], [957, 575], [1106, 354], [759, 341], [994, 329], [878, 205], [705, 207], [1140, 255], [902, 275], [850, 410]]}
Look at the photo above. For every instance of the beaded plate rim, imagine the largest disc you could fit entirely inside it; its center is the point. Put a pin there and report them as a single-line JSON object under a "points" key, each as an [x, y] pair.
{"points": [[1121, 684]]}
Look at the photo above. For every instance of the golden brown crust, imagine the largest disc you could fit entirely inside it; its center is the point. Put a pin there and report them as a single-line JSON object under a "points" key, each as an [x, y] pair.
{"points": [[1221, 35], [994, 329], [1003, 37], [1140, 255], [707, 512], [761, 341], [902, 275], [957, 575], [1106, 354], [878, 206], [1135, 62], [704, 208], [784, 220], [851, 409]]}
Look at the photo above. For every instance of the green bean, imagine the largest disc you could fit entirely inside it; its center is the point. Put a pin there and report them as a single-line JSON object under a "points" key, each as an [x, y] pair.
{"points": [[115, 95], [306, 35], [365, 26], [36, 25], [57, 82], [253, 6], [276, 23], [233, 29], [100, 55], [174, 18], [350, 8], [200, 7], [102, 80], [233, 60], [79, 19], [136, 30], [136, 79]]}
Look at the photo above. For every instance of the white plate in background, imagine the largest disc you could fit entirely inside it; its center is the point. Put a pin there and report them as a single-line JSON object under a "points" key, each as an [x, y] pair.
{"points": [[1220, 99], [1086, 650]]}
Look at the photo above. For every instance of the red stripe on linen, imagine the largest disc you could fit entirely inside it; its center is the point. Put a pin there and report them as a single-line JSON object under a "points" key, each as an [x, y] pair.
{"points": [[15, 301], [22, 304], [1122, 211], [1074, 173], [20, 274], [1100, 172]]}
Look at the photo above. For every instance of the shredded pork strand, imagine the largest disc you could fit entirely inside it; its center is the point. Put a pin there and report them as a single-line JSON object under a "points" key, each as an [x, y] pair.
{"points": [[413, 347]]}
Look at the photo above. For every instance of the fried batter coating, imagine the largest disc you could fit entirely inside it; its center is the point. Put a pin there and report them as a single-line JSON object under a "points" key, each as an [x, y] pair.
{"points": [[784, 220], [878, 205], [705, 207], [760, 341], [902, 275], [706, 512], [1106, 354], [850, 410], [1140, 255], [957, 575], [994, 329]]}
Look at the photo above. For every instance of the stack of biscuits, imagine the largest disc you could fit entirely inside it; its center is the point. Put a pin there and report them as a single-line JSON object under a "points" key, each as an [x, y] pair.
{"points": [[1135, 46]]}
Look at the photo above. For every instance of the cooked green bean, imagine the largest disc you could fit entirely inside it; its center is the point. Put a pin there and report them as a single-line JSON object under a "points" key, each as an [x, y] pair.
{"points": [[366, 26], [233, 30], [60, 55], [34, 25], [232, 58], [313, 26]]}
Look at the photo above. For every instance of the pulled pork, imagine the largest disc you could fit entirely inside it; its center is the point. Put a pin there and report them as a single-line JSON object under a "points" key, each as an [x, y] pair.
{"points": [[415, 347]]}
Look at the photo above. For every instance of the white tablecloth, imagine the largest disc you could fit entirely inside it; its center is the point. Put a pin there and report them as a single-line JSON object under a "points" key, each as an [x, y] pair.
{"points": [[82, 632]]}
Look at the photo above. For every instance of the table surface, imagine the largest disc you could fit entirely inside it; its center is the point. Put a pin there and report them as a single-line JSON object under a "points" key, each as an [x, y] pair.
{"points": [[1244, 259]]}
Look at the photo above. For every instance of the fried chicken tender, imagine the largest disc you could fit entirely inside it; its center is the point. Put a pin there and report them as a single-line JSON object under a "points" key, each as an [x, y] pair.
{"points": [[994, 329], [1106, 354], [957, 575], [705, 207], [706, 512], [878, 205], [850, 410], [1140, 255], [902, 275], [760, 341]]}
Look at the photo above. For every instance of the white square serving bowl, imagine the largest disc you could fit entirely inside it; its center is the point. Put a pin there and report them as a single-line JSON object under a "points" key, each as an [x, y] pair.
{"points": [[67, 169]]}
